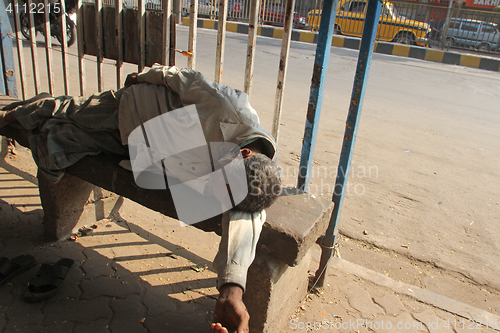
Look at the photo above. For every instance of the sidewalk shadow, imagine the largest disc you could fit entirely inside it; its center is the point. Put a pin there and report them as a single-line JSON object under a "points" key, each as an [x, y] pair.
{"points": [[128, 280]]}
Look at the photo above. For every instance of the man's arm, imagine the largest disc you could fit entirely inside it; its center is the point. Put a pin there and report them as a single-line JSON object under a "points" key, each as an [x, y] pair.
{"points": [[240, 234]]}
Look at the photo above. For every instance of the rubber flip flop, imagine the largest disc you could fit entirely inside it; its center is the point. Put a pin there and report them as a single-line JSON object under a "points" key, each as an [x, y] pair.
{"points": [[48, 280], [14, 267]]}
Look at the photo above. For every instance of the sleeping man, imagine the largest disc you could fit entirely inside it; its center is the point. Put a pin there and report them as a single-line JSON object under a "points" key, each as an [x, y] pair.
{"points": [[178, 128]]}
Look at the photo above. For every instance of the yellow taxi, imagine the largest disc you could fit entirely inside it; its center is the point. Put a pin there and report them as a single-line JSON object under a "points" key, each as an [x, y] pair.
{"points": [[392, 27]]}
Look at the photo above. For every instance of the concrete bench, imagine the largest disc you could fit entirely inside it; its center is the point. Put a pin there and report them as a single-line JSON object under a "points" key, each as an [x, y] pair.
{"points": [[278, 278]]}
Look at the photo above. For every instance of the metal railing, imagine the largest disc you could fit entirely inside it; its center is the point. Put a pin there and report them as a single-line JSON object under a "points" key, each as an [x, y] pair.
{"points": [[400, 22], [408, 23], [463, 28], [271, 11]]}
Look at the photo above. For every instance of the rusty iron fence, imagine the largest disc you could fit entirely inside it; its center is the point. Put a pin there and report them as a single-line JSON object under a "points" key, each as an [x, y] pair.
{"points": [[103, 35]]}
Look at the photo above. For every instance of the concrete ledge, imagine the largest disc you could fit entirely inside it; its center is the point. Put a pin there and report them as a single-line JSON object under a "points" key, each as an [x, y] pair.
{"points": [[416, 52], [274, 291], [294, 223]]}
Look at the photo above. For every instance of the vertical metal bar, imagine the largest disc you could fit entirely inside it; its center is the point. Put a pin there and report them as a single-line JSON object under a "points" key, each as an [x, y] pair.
{"points": [[351, 129], [171, 60], [252, 41], [263, 17], [4, 90], [142, 33], [285, 48], [316, 91], [20, 49], [64, 46], [99, 42], [212, 9], [80, 40], [48, 48], [8, 65], [193, 23], [447, 25], [34, 55], [177, 9], [119, 46], [221, 40], [167, 17]]}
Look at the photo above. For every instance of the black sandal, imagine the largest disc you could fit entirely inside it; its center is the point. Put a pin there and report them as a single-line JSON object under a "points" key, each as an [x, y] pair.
{"points": [[48, 280], [14, 267]]}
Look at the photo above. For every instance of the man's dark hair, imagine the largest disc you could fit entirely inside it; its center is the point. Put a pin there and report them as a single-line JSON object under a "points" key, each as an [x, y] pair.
{"points": [[263, 181]]}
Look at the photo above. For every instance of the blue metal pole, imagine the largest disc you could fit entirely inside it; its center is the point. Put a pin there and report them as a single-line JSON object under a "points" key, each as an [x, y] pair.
{"points": [[351, 129], [7, 78], [323, 46]]}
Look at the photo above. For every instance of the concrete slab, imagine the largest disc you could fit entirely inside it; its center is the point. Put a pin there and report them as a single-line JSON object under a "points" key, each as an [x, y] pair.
{"points": [[391, 304], [293, 225], [274, 292]]}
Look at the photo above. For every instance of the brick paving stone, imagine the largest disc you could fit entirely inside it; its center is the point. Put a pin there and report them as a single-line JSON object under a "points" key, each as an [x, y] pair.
{"points": [[6, 296], [109, 234], [106, 252], [495, 307], [22, 329], [172, 322], [62, 327], [129, 315], [11, 216], [404, 323], [67, 250], [433, 323], [132, 260], [120, 272], [70, 288], [158, 301], [136, 265], [467, 326], [111, 286], [20, 225], [98, 326], [22, 313], [391, 304], [361, 300], [14, 246], [95, 265], [81, 311], [3, 320], [462, 325]]}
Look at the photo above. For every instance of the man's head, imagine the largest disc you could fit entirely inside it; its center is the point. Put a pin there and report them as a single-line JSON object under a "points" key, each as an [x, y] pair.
{"points": [[262, 184], [263, 181]]}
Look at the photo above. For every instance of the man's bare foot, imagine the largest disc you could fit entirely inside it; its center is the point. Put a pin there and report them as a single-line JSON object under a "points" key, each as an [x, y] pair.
{"points": [[217, 328]]}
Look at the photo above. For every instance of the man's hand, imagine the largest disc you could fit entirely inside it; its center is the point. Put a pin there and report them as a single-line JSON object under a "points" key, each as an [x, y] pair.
{"points": [[131, 79], [230, 311]]}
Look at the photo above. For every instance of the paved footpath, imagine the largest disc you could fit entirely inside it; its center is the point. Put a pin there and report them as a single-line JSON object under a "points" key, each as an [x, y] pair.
{"points": [[142, 272]]}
